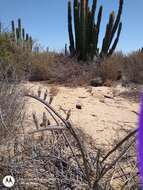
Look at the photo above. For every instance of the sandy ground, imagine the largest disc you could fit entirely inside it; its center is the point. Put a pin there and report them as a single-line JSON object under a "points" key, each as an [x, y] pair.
{"points": [[107, 112]]}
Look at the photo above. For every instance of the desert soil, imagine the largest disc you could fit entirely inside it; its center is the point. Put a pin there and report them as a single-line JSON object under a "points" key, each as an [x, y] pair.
{"points": [[106, 114]]}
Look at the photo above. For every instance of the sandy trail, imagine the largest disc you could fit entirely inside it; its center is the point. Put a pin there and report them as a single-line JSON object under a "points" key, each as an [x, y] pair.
{"points": [[104, 119]]}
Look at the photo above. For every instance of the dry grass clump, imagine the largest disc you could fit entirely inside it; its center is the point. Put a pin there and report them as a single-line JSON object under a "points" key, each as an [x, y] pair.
{"points": [[131, 67], [11, 105], [40, 63], [109, 68], [68, 72]]}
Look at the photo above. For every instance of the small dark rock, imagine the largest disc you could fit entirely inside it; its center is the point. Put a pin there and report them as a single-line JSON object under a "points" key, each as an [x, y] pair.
{"points": [[98, 81], [78, 106]]}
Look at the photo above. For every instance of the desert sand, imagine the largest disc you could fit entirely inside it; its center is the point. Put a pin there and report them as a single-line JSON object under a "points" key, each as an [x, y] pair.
{"points": [[106, 114]]}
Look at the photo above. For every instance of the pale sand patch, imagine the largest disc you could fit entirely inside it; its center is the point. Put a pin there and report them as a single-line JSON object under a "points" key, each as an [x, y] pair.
{"points": [[104, 119]]}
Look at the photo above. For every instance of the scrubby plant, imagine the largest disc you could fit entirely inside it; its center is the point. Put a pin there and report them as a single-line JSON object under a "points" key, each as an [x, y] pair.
{"points": [[11, 103], [84, 44], [16, 49], [133, 67]]}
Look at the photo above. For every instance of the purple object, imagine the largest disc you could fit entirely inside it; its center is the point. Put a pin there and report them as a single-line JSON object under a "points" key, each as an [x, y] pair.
{"points": [[140, 142]]}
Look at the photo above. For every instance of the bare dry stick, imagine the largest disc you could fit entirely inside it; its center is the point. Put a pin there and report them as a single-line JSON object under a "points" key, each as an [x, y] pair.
{"points": [[119, 144]]}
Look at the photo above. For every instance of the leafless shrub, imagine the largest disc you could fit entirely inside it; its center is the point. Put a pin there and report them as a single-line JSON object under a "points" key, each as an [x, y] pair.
{"points": [[57, 68], [40, 65], [110, 67], [68, 72], [11, 104], [134, 67]]}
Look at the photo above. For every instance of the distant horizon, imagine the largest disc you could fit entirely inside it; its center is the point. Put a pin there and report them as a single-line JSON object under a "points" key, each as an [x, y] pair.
{"points": [[46, 22]]}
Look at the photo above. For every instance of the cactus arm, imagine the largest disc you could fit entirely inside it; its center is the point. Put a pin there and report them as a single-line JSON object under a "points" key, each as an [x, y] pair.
{"points": [[116, 40], [97, 28], [13, 30], [19, 28], [17, 36], [27, 37], [107, 38], [83, 24], [23, 34], [13, 26], [76, 24], [94, 5], [89, 31], [71, 38], [117, 21]]}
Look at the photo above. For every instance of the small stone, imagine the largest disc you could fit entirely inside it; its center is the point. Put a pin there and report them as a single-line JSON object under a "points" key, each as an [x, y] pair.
{"points": [[78, 106]]}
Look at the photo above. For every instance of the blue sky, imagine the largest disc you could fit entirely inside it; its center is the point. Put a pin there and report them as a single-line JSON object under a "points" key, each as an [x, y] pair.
{"points": [[46, 21]]}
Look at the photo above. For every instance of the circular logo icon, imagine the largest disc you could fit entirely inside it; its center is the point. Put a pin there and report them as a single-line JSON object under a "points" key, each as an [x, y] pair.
{"points": [[8, 181]]}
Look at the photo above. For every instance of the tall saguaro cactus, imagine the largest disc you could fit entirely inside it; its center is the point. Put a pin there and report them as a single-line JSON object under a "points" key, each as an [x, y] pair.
{"points": [[85, 35]]}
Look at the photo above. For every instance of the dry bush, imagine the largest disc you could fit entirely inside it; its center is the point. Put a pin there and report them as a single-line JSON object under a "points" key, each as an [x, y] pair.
{"points": [[40, 65], [131, 67], [60, 69], [11, 105], [64, 70], [57, 68], [134, 67], [68, 71], [109, 68]]}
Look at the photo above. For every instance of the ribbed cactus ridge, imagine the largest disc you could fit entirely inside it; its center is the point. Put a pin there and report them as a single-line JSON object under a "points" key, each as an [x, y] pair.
{"points": [[89, 31], [27, 37], [19, 28], [70, 30], [107, 38], [85, 42], [116, 40], [118, 18], [76, 23], [93, 11], [13, 27], [97, 30], [13, 30], [83, 25], [23, 34]]}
